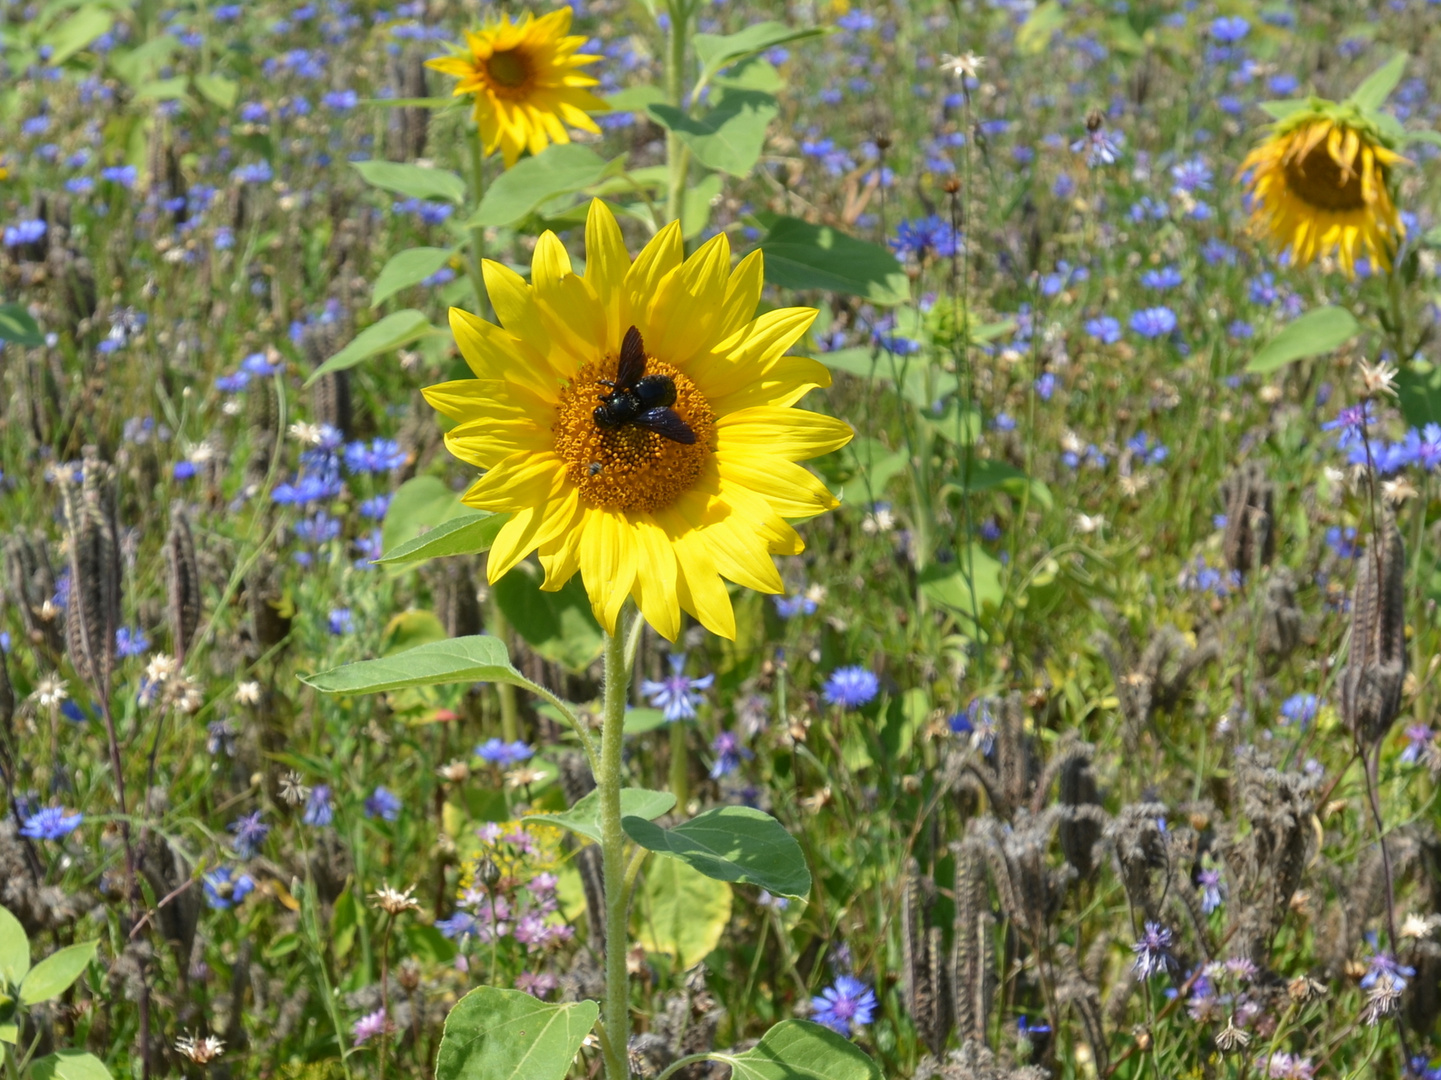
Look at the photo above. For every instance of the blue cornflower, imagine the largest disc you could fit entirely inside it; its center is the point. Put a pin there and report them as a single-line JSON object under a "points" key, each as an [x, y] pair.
{"points": [[1168, 277], [124, 175], [51, 823], [376, 508], [978, 721], [1418, 740], [254, 112], [250, 832], [1383, 963], [1343, 541], [1212, 891], [1229, 29], [224, 888], [381, 455], [1147, 449], [1191, 176], [1104, 329], [130, 642], [384, 804], [1300, 709], [1351, 421], [341, 621], [788, 607], [458, 925], [851, 687], [729, 752], [257, 364], [677, 694], [1099, 148], [1153, 322], [1241, 330], [846, 1003], [1153, 951], [259, 172], [24, 232], [503, 754], [341, 100], [927, 235], [318, 808]]}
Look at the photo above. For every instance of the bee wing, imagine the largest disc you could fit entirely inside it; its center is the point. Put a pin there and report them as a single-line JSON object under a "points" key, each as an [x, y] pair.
{"points": [[632, 359], [666, 422]]}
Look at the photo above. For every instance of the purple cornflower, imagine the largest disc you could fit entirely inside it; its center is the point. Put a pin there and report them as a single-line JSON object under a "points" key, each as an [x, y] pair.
{"points": [[539, 986], [677, 694], [1212, 892], [1383, 963], [458, 925], [51, 823], [503, 754], [1153, 322], [250, 833], [1045, 386], [1099, 148], [318, 808], [845, 1003], [224, 888], [381, 455], [729, 752], [1191, 176], [370, 1025], [1351, 421], [384, 804], [1104, 329], [1153, 951], [1418, 738], [851, 687]]}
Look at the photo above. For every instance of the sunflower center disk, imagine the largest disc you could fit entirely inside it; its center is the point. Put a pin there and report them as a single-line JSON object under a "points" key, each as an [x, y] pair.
{"points": [[508, 69], [1318, 179], [630, 468]]}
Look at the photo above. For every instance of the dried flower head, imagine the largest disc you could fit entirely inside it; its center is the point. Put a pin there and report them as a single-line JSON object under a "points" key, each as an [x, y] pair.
{"points": [[201, 1049], [967, 65], [395, 901], [293, 788], [1231, 1038]]}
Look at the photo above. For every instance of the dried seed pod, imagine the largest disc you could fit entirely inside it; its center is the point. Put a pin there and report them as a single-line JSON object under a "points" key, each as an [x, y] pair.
{"points": [[1280, 631], [330, 401], [918, 980], [182, 583], [1249, 498], [971, 944], [268, 611], [93, 613], [1080, 829], [1376, 664]]}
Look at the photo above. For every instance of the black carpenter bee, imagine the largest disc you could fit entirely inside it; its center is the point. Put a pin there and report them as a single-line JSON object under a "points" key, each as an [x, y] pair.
{"points": [[641, 399]]}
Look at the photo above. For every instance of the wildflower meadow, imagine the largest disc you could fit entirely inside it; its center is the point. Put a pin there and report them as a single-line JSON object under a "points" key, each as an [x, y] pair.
{"points": [[687, 539]]}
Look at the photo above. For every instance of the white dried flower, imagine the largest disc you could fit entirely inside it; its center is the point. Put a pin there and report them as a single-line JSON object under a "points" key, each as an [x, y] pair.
{"points": [[1378, 379], [248, 693], [395, 901], [880, 520], [51, 691], [300, 431], [200, 1049], [968, 64]]}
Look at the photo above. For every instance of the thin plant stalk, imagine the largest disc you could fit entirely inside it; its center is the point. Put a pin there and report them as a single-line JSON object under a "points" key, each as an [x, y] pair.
{"points": [[679, 764], [616, 1017], [385, 990]]}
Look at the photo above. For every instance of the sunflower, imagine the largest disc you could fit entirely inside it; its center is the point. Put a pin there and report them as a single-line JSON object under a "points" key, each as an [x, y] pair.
{"points": [[657, 489], [1320, 185], [526, 84]]}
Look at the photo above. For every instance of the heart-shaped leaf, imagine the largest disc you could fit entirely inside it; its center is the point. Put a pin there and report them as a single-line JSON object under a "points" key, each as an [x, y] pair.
{"points": [[52, 976], [558, 170], [460, 660], [415, 181], [407, 268], [730, 136], [801, 1050], [800, 255], [495, 1034], [466, 534], [70, 1065], [584, 816], [1321, 331], [731, 843], [395, 330]]}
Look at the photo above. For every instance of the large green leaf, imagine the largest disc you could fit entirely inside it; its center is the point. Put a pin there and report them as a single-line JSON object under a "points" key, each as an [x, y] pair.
{"points": [[70, 1065], [464, 534], [397, 329], [1377, 87], [801, 1050], [949, 585], [407, 268], [730, 136], [415, 181], [681, 912], [986, 474], [558, 625], [799, 255], [1419, 387], [52, 976], [420, 506], [695, 210], [559, 170], [14, 949], [16, 325], [584, 816], [495, 1034], [731, 843], [1321, 331], [1040, 26], [459, 660], [218, 90], [78, 31], [716, 51]]}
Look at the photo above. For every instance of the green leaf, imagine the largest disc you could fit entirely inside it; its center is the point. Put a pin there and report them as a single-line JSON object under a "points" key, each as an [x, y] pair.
{"points": [[16, 325], [635, 98], [560, 169], [731, 843], [1377, 87], [416, 181], [716, 51], [1279, 110], [495, 1034], [757, 73], [1040, 26], [1431, 137], [584, 816], [643, 718], [695, 210], [729, 137], [70, 1065], [459, 660], [14, 949], [9, 1033], [395, 330], [345, 919], [218, 90], [799, 255], [681, 912], [801, 1050], [1320, 331], [465, 534], [52, 976], [141, 63], [76, 32], [558, 625], [429, 944], [163, 89], [948, 585], [1418, 385], [989, 475], [420, 506], [410, 630], [407, 268]]}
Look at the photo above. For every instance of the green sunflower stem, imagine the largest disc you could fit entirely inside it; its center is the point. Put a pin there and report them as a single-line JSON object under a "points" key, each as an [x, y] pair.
{"points": [[679, 765], [616, 1017]]}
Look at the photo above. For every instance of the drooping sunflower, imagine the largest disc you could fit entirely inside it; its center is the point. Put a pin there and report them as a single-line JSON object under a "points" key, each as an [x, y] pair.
{"points": [[653, 486], [526, 81], [1320, 184]]}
